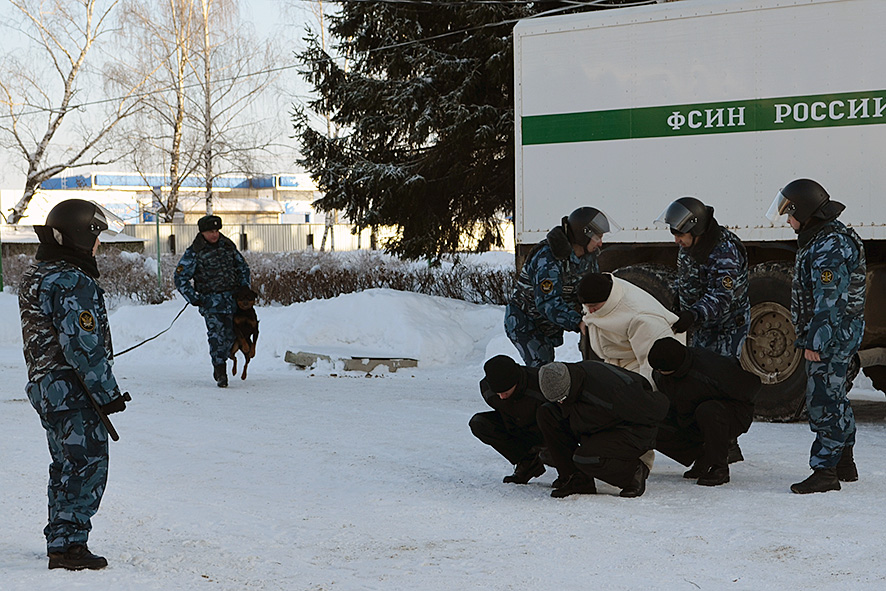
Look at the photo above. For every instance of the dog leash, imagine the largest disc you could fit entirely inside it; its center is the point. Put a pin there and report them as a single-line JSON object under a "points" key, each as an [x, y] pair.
{"points": [[155, 336]]}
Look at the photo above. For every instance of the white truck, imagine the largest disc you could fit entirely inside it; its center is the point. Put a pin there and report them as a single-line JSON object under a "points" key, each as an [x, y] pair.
{"points": [[724, 100]]}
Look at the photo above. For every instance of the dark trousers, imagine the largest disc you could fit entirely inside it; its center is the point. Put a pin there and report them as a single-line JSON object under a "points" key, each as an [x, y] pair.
{"points": [[514, 444], [592, 454], [706, 438]]}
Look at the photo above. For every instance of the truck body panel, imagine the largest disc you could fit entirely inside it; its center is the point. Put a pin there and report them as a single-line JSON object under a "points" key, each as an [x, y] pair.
{"points": [[725, 100], [629, 109]]}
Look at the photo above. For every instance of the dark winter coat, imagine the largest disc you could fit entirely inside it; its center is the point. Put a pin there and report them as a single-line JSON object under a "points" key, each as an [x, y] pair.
{"points": [[518, 410], [603, 396], [703, 376], [208, 274]]}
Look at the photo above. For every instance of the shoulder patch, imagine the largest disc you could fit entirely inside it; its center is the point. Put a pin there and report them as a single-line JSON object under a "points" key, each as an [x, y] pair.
{"points": [[180, 268], [86, 321], [728, 282], [827, 276], [547, 286]]}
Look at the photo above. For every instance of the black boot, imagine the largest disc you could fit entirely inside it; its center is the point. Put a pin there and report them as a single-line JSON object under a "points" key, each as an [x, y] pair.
{"points": [[822, 480], [715, 476], [76, 557], [559, 481], [846, 469], [697, 470], [578, 484], [526, 470], [220, 375], [637, 486], [734, 453]]}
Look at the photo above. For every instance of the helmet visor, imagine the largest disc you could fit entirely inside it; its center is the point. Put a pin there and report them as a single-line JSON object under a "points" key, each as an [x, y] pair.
{"points": [[105, 221], [781, 205], [600, 224], [678, 218]]}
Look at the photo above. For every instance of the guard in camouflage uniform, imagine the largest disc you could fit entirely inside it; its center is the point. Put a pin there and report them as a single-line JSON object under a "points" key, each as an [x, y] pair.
{"points": [[67, 348], [712, 278], [827, 309], [207, 275], [544, 303]]}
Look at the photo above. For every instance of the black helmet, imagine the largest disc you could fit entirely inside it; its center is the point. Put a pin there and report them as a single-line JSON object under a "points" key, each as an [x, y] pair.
{"points": [[77, 223], [686, 215], [586, 222], [804, 199]]}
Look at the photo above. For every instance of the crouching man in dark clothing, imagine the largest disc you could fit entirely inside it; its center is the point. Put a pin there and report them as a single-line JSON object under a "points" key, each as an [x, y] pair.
{"points": [[712, 402], [510, 429], [599, 422]]}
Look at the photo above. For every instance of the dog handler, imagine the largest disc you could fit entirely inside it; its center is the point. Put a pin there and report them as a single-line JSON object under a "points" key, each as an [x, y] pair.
{"points": [[207, 275]]}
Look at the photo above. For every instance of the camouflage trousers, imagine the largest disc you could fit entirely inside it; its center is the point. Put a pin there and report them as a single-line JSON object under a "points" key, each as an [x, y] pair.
{"points": [[220, 332], [830, 413], [728, 344], [535, 347], [78, 474]]}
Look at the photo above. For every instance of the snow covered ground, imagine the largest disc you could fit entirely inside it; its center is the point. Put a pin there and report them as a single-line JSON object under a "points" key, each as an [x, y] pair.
{"points": [[331, 480]]}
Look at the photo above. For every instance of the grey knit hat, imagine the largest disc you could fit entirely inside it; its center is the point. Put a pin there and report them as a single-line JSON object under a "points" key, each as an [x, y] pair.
{"points": [[554, 381]]}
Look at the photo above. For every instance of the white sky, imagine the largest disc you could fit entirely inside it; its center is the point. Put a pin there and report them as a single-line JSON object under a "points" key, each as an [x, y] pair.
{"points": [[281, 20]]}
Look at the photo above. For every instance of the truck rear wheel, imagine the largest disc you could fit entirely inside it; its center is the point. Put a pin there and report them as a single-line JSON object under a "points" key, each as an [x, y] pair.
{"points": [[655, 279], [769, 350]]}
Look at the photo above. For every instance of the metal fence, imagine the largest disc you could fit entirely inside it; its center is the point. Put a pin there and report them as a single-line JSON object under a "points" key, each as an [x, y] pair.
{"points": [[175, 238]]}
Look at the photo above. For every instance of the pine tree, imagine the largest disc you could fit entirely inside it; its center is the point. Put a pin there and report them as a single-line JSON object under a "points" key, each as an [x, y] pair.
{"points": [[424, 102]]}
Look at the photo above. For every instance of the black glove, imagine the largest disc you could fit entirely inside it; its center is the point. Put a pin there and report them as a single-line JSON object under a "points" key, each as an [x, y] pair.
{"points": [[116, 405], [687, 319]]}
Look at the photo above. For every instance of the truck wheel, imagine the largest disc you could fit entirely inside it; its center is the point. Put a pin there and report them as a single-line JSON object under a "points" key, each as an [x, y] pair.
{"points": [[769, 350], [655, 279]]}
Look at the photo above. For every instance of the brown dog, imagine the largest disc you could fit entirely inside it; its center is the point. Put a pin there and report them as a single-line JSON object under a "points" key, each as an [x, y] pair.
{"points": [[245, 327]]}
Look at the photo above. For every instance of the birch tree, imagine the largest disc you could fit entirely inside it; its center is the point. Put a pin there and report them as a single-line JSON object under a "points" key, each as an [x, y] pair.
{"points": [[158, 37], [233, 71], [44, 92]]}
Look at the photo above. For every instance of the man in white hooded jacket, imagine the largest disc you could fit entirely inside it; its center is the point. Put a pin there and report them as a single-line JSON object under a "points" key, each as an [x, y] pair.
{"points": [[623, 321]]}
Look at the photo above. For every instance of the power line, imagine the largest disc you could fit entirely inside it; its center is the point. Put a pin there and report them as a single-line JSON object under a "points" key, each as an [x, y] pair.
{"points": [[572, 5]]}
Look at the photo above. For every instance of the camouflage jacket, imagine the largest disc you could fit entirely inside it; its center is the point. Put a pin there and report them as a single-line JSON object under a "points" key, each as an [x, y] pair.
{"points": [[546, 288], [713, 283], [828, 291], [66, 334], [207, 275]]}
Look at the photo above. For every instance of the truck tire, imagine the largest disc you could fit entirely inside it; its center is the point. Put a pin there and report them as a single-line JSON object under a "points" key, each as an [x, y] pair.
{"points": [[769, 351], [655, 279]]}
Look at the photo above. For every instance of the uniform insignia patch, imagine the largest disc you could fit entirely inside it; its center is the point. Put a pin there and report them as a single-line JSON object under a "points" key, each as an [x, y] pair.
{"points": [[547, 286], [728, 282], [827, 276], [87, 321], [179, 269]]}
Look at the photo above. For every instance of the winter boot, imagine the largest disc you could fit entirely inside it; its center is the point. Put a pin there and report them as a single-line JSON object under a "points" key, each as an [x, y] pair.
{"points": [[545, 456], [526, 470], [734, 453], [76, 557], [637, 486], [715, 476], [220, 375], [822, 480], [578, 484], [846, 470], [559, 481], [697, 470]]}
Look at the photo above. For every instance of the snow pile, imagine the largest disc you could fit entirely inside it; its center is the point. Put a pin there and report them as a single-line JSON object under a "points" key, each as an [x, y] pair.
{"points": [[330, 480]]}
